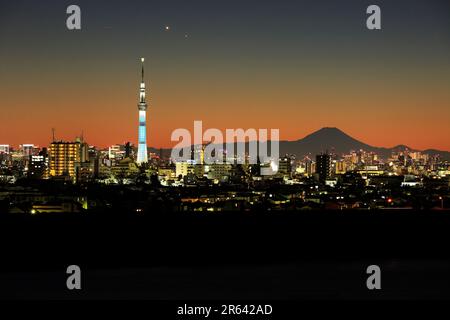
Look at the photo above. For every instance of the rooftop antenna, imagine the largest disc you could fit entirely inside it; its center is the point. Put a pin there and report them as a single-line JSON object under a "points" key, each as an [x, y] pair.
{"points": [[53, 134], [142, 71]]}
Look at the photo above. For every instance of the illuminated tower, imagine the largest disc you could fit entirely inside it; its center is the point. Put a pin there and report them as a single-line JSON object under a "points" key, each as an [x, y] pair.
{"points": [[142, 106]]}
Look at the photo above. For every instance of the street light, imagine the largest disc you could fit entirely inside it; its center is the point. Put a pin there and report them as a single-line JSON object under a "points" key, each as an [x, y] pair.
{"points": [[442, 202]]}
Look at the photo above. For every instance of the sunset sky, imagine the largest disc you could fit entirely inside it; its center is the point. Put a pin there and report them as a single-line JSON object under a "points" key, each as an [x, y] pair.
{"points": [[293, 65]]}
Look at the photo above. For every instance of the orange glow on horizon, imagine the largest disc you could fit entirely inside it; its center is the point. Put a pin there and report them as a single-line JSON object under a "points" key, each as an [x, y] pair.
{"points": [[107, 112]]}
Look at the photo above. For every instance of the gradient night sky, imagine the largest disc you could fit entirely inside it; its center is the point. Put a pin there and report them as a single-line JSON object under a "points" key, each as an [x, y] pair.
{"points": [[294, 65]]}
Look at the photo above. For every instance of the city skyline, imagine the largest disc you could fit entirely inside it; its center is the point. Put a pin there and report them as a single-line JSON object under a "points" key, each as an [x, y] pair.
{"points": [[232, 66], [330, 143], [227, 150]]}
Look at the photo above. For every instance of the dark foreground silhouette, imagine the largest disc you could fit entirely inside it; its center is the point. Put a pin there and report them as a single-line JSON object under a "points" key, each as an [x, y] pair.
{"points": [[226, 256]]}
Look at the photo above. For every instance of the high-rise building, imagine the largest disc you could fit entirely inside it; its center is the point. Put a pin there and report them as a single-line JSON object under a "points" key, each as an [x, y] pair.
{"points": [[142, 106], [4, 148], [310, 167], [219, 171], [115, 152], [37, 166], [128, 150], [63, 158], [341, 167], [285, 166], [84, 150], [185, 168], [85, 171], [323, 167], [27, 149], [4, 153]]}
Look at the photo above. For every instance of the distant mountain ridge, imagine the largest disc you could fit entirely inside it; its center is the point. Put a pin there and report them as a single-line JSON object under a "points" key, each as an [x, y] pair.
{"points": [[334, 140]]}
